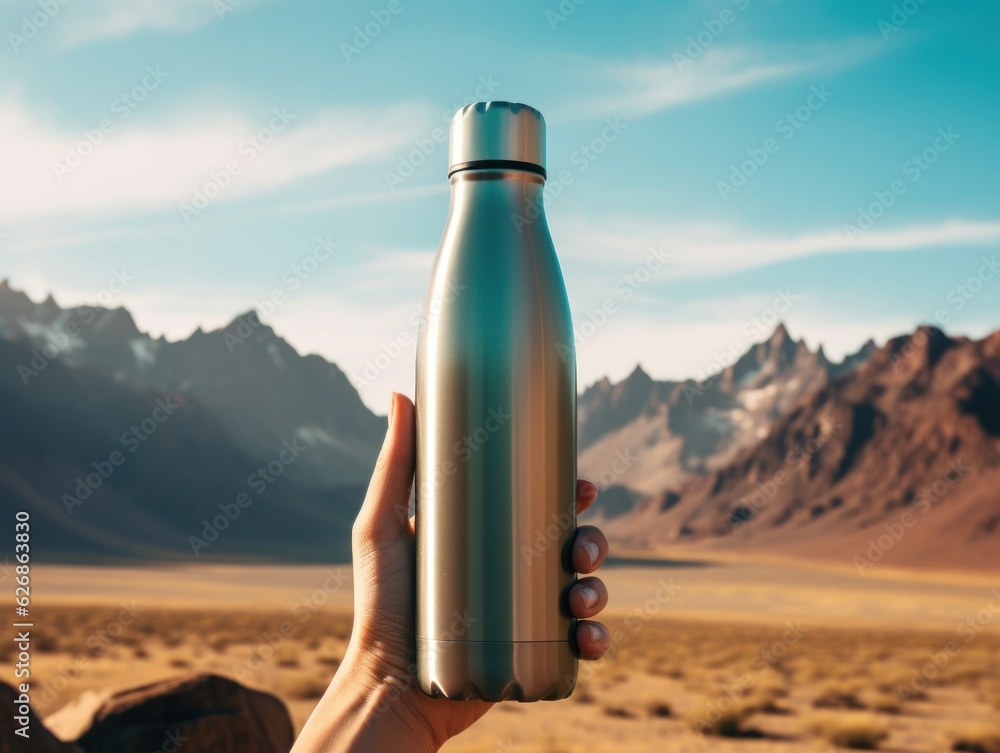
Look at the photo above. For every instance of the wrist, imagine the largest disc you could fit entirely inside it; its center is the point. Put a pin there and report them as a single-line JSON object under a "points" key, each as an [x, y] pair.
{"points": [[366, 710]]}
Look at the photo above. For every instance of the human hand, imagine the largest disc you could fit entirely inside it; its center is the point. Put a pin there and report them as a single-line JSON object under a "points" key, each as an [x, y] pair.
{"points": [[374, 702]]}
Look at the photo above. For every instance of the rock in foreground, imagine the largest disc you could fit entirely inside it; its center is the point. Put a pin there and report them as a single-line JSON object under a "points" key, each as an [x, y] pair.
{"points": [[199, 714]]}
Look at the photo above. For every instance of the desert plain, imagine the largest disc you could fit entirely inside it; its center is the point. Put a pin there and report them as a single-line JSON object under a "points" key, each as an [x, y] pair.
{"points": [[707, 655]]}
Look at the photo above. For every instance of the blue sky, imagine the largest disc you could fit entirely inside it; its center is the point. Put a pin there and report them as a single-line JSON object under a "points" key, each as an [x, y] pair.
{"points": [[748, 137]]}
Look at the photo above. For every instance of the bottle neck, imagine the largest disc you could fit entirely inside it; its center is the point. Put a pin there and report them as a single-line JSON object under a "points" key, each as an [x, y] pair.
{"points": [[514, 194]]}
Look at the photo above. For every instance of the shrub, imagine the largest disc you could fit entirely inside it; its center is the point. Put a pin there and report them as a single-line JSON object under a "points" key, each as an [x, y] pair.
{"points": [[618, 712], [711, 720], [977, 738], [839, 695], [858, 732], [659, 708]]}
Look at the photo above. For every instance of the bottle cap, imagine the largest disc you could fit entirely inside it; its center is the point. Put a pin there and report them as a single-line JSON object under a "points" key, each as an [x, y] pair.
{"points": [[499, 135]]}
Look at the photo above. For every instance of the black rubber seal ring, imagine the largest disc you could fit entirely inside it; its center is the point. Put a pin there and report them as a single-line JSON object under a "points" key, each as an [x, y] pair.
{"points": [[498, 164]]}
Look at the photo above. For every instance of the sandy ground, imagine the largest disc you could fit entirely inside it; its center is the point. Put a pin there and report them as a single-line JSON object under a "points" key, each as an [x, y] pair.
{"points": [[782, 657], [709, 589]]}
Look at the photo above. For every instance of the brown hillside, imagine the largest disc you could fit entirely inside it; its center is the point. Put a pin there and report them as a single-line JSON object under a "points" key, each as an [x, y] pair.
{"points": [[896, 463]]}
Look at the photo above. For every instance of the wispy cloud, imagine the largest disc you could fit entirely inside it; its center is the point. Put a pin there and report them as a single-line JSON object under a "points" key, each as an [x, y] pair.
{"points": [[141, 167], [709, 249], [638, 88], [40, 238], [115, 19], [361, 199]]}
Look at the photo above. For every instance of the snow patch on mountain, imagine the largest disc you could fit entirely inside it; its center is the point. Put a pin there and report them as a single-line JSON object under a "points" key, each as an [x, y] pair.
{"points": [[144, 351]]}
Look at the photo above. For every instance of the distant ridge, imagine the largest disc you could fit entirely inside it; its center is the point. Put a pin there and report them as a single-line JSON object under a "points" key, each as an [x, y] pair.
{"points": [[648, 435], [897, 463]]}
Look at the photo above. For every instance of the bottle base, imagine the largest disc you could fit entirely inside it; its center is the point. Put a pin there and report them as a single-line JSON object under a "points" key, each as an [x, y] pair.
{"points": [[496, 670]]}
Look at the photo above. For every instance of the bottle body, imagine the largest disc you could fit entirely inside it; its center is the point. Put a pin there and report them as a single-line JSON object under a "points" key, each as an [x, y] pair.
{"points": [[496, 451]]}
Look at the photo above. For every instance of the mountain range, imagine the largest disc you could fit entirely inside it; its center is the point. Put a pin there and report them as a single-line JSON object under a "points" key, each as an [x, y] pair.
{"points": [[231, 445], [648, 435], [78, 385], [895, 463]]}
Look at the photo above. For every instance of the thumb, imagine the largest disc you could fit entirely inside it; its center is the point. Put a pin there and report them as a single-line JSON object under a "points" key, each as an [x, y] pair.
{"points": [[384, 516]]}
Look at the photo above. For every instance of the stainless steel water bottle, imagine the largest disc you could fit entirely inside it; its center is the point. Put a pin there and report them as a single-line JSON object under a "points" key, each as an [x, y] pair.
{"points": [[496, 427]]}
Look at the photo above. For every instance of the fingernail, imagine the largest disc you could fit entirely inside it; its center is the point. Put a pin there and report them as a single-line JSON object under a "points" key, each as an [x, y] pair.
{"points": [[592, 551], [589, 596], [392, 405], [596, 633], [589, 489]]}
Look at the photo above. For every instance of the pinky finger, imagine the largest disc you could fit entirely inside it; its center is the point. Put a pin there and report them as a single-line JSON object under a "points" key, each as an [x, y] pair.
{"points": [[592, 639]]}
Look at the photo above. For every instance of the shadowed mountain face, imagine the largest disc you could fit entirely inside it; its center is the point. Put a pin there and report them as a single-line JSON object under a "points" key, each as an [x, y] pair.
{"points": [[123, 446], [648, 436], [112, 472], [897, 462], [259, 388]]}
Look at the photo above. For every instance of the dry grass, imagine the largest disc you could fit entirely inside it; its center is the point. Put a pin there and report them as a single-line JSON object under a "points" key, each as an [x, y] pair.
{"points": [[976, 738], [669, 681], [882, 702], [303, 687], [840, 694], [619, 712], [722, 719], [853, 731], [658, 708]]}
